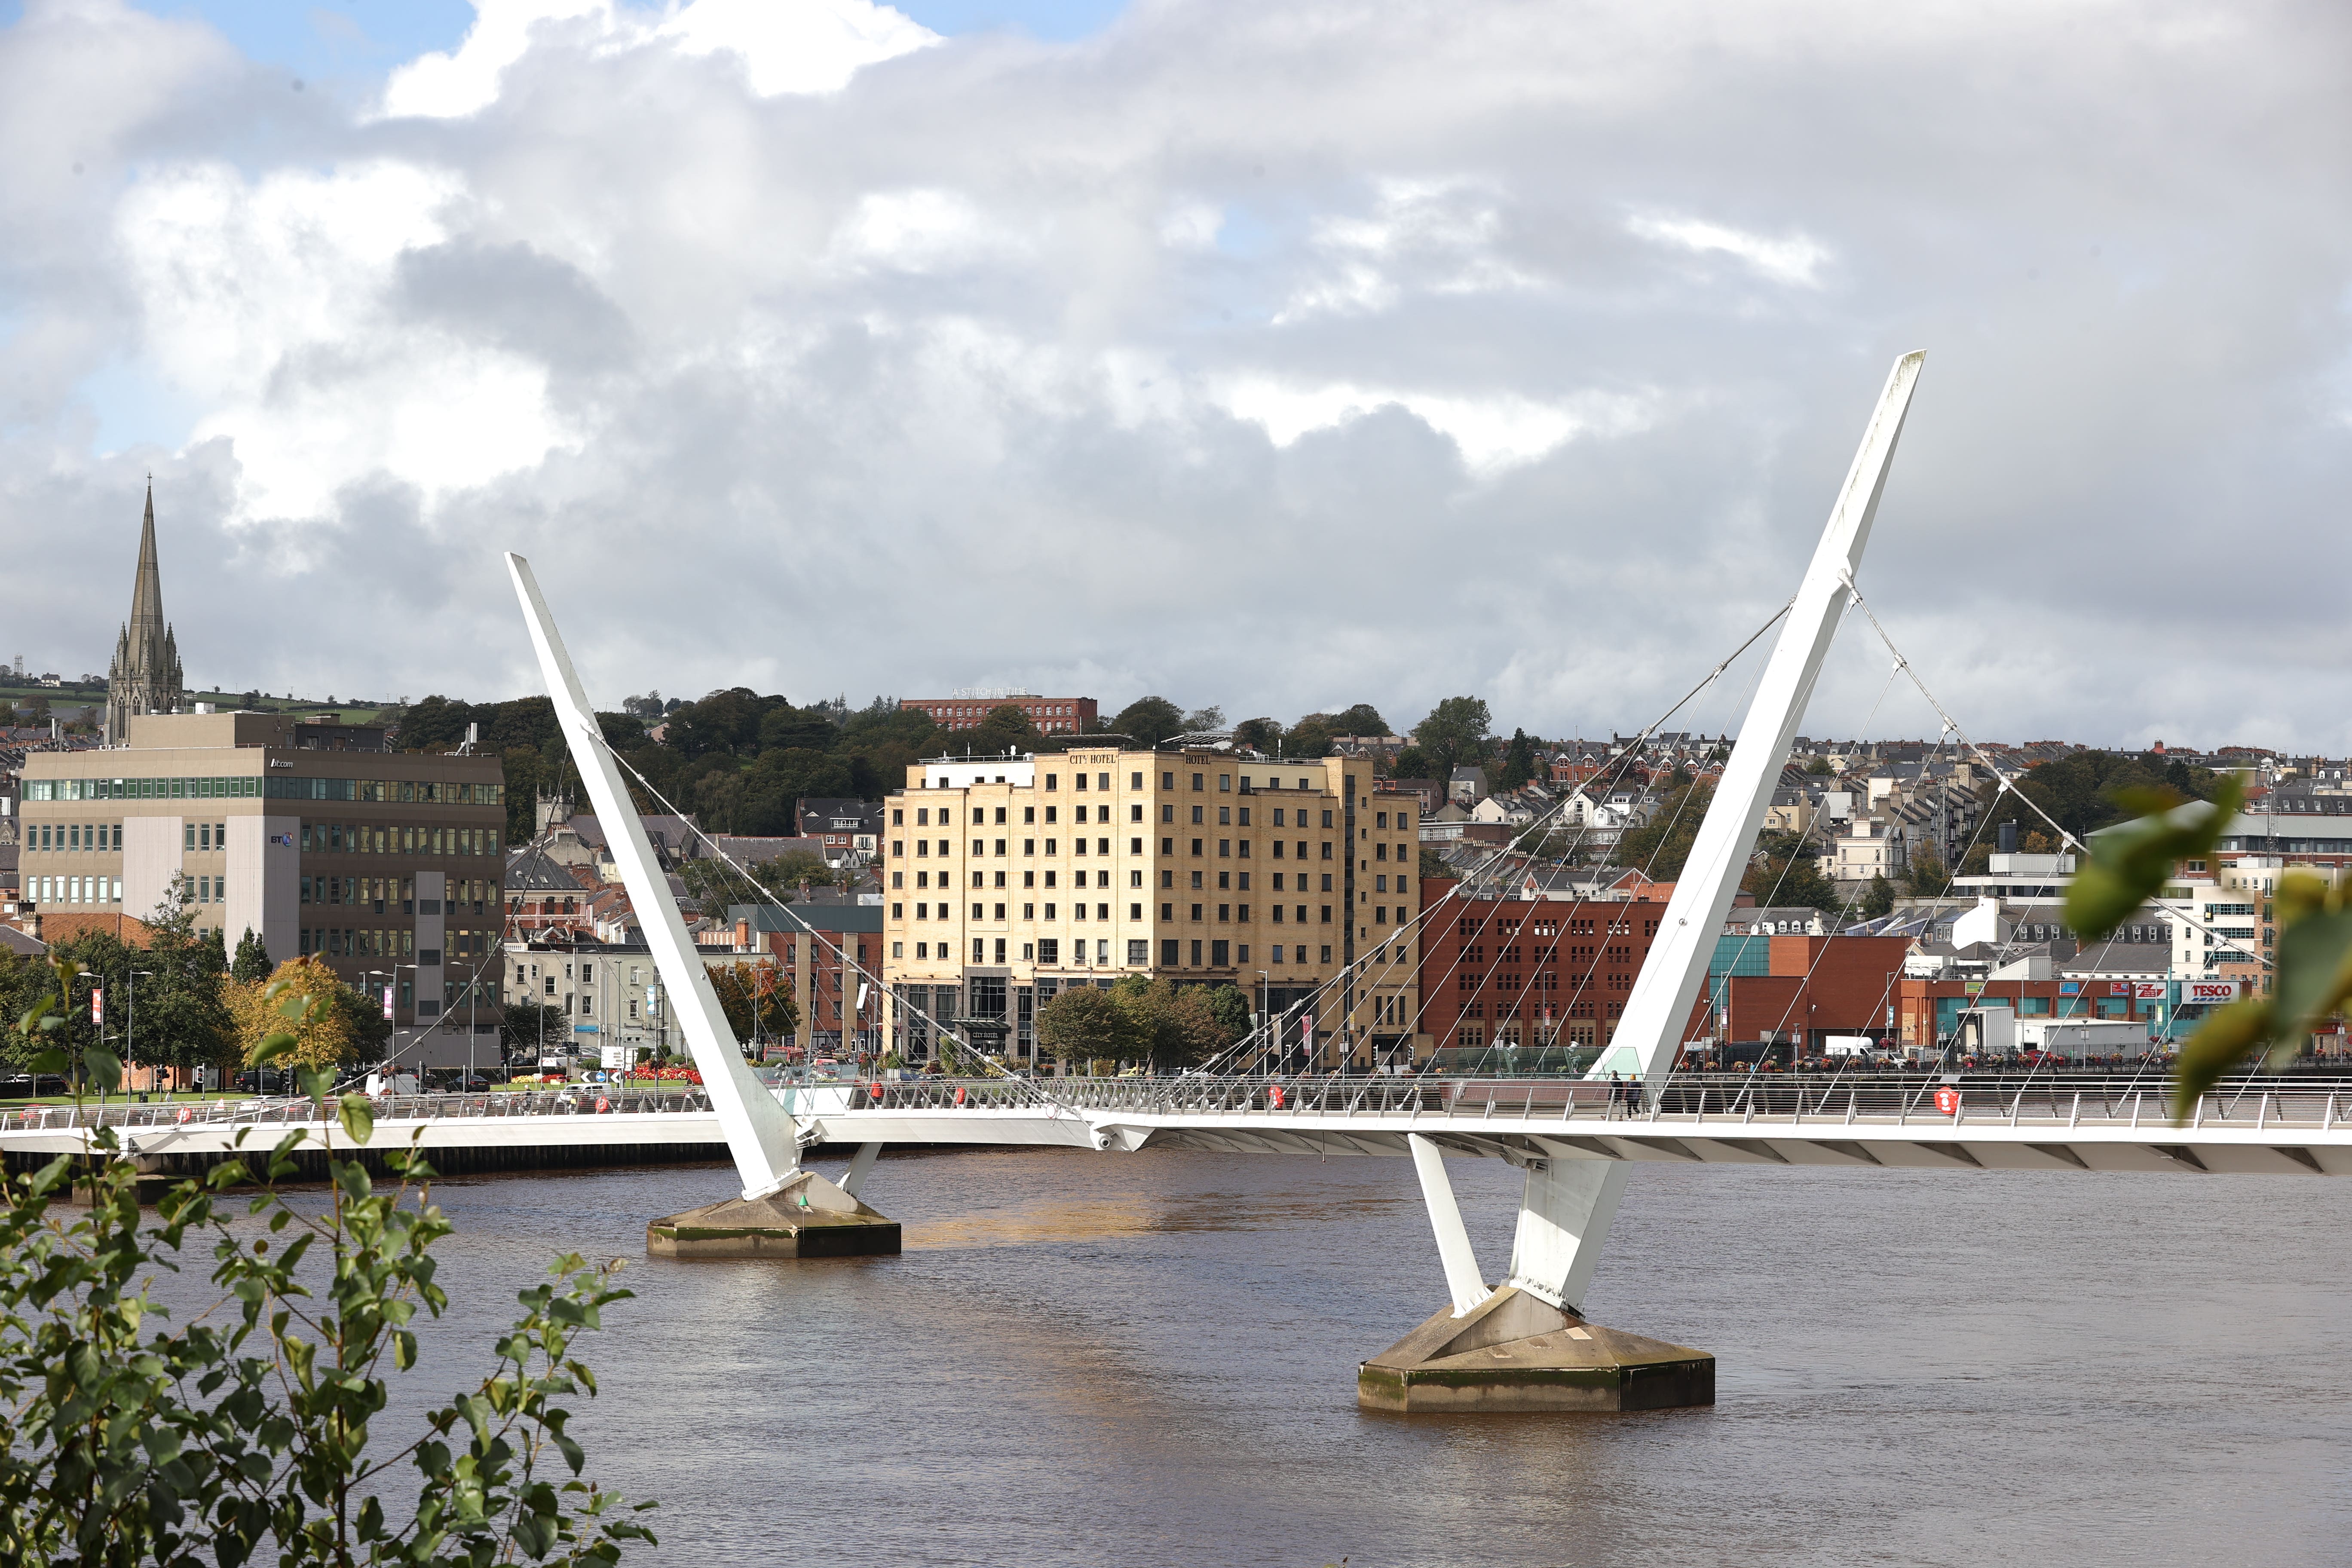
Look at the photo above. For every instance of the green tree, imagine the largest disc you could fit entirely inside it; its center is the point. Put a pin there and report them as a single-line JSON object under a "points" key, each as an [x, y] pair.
{"points": [[784, 875], [1926, 877], [1454, 734], [1660, 846], [1149, 721], [1518, 762], [1880, 900], [2084, 791], [528, 1029], [1085, 1024], [1205, 720], [1433, 864], [1410, 763], [716, 886], [164, 1005], [1363, 719], [1172, 1027], [1259, 734], [252, 961], [758, 1000], [246, 1430], [1310, 737], [1784, 875], [1006, 726], [1230, 1008]]}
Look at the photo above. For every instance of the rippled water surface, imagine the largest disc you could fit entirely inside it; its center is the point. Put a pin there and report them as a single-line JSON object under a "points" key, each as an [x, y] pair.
{"points": [[1150, 1359]]}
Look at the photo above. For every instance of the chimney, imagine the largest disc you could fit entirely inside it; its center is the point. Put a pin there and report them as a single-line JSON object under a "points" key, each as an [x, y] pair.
{"points": [[742, 936]]}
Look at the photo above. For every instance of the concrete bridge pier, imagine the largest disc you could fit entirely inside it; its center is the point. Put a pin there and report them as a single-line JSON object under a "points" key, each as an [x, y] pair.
{"points": [[1526, 1347], [808, 1217]]}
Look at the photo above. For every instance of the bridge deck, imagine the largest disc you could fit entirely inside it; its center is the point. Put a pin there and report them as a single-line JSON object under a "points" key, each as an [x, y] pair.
{"points": [[2280, 1126]]}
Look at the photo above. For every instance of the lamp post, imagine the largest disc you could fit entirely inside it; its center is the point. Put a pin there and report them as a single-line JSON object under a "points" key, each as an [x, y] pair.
{"points": [[98, 1011], [392, 979], [1265, 1014]]}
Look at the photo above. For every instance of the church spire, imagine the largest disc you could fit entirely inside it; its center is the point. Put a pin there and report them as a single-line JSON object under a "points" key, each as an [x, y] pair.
{"points": [[147, 588], [146, 676]]}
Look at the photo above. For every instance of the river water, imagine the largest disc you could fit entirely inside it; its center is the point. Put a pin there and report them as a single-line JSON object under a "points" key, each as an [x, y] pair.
{"points": [[1150, 1359]]}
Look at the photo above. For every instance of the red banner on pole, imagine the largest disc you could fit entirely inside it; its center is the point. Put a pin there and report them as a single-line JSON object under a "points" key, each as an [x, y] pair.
{"points": [[97, 1005]]}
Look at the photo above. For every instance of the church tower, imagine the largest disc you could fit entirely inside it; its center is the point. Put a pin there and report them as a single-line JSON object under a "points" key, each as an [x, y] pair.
{"points": [[145, 677]]}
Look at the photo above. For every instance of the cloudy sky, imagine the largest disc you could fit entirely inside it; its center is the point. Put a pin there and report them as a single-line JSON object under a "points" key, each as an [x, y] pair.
{"points": [[1277, 354]]}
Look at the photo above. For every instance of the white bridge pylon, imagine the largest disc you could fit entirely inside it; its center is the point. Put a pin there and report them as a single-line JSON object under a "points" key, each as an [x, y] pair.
{"points": [[759, 1131], [1564, 1215]]}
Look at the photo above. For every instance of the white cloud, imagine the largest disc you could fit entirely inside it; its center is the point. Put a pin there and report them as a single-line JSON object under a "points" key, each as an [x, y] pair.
{"points": [[918, 231], [786, 45], [1493, 433], [1794, 260], [797, 45], [1436, 236], [465, 80], [268, 302], [1192, 224]]}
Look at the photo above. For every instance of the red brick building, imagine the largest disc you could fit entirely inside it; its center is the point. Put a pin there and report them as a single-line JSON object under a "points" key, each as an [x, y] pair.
{"points": [[824, 966], [1054, 715], [1815, 986], [1530, 973]]}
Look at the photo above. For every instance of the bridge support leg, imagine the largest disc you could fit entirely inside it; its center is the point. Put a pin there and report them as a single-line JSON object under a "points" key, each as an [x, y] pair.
{"points": [[1462, 1280], [860, 1165], [1526, 1347], [1564, 1217]]}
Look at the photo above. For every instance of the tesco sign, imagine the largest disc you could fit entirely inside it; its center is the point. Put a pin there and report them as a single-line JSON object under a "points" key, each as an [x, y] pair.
{"points": [[2207, 991]]}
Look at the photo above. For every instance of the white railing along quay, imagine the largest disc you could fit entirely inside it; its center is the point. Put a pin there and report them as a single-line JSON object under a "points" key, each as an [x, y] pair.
{"points": [[274, 1112]]}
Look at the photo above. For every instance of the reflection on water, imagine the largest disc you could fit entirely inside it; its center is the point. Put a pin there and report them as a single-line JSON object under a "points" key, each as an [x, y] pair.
{"points": [[1043, 1219], [1091, 1359]]}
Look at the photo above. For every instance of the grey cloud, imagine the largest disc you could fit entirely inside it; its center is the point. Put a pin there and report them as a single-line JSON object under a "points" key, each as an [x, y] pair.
{"points": [[516, 297], [2124, 245]]}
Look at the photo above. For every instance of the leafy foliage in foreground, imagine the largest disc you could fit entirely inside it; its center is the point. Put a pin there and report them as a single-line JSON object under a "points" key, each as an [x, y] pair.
{"points": [[247, 1433], [2311, 976]]}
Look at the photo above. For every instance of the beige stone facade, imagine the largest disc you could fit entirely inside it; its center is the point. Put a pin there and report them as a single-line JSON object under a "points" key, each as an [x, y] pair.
{"points": [[386, 864], [1008, 880]]}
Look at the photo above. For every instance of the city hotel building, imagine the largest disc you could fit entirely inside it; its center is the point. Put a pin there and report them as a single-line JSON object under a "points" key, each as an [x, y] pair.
{"points": [[312, 836], [1009, 880]]}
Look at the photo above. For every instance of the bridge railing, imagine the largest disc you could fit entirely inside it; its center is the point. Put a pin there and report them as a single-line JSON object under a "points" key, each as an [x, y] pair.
{"points": [[2040, 1100], [278, 1112]]}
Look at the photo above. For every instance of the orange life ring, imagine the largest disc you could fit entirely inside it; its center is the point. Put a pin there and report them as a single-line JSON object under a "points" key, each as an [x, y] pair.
{"points": [[877, 1091], [186, 1114], [958, 1094], [603, 1105], [1947, 1101], [1273, 1096]]}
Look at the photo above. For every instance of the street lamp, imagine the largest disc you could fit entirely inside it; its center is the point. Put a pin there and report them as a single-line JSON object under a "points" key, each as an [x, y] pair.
{"points": [[392, 979], [130, 1012], [1264, 1014], [98, 988]]}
